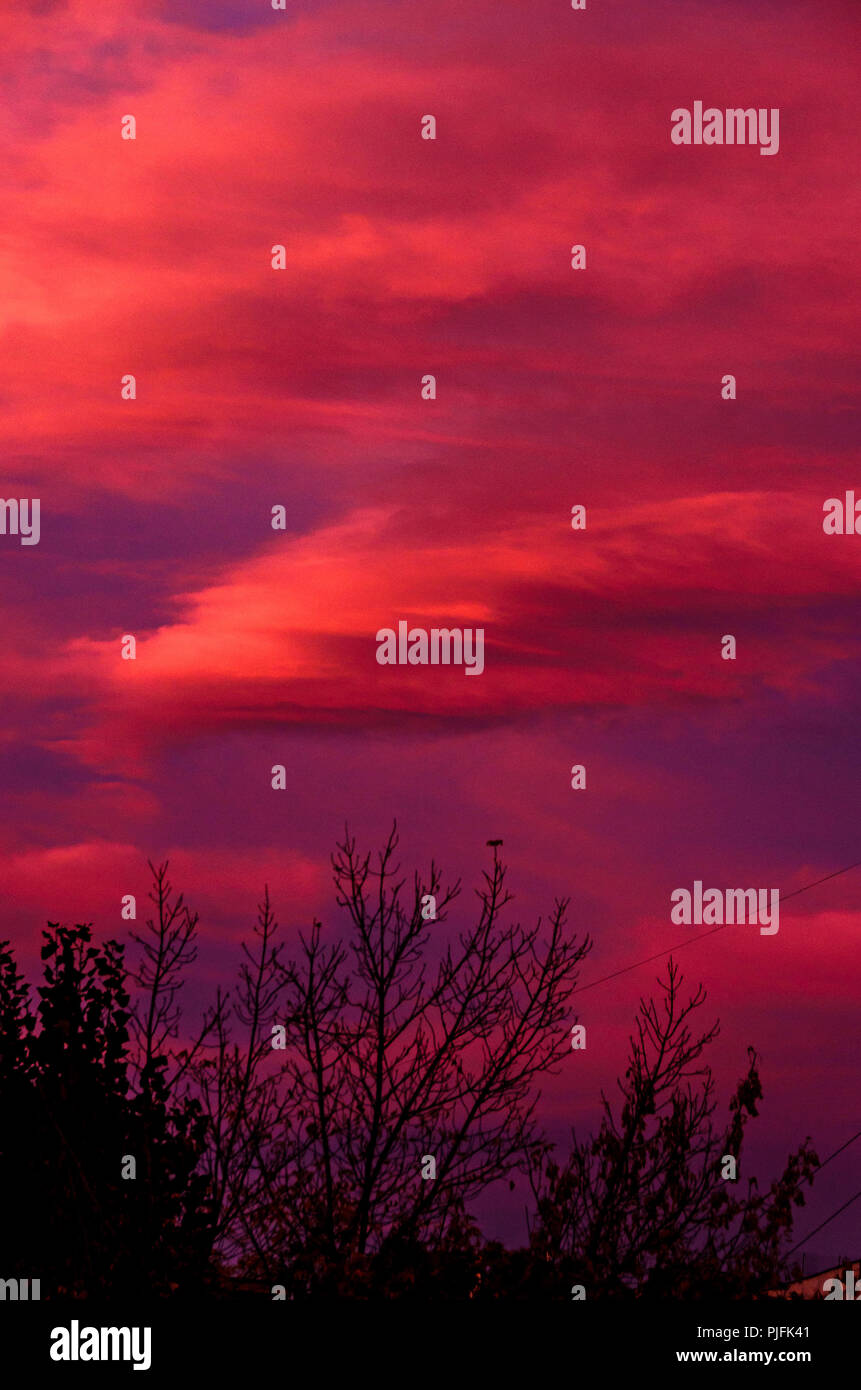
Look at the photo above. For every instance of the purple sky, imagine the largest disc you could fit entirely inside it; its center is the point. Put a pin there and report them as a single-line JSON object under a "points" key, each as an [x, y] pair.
{"points": [[554, 387]]}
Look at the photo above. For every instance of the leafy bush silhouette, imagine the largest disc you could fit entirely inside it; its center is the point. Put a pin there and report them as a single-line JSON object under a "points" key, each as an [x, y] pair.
{"points": [[70, 1114]]}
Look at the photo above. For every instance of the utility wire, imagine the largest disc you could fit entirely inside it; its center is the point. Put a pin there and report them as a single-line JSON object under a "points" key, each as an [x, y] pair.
{"points": [[593, 984], [822, 1224], [818, 1169], [820, 1166], [581, 989]]}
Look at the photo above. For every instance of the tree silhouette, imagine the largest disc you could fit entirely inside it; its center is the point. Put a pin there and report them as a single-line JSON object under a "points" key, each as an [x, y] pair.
{"points": [[388, 1058], [245, 1104], [166, 952], [642, 1206], [289, 1138], [71, 1117]]}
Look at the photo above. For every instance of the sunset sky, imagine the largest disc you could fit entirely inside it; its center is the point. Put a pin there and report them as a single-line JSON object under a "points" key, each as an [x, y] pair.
{"points": [[555, 387]]}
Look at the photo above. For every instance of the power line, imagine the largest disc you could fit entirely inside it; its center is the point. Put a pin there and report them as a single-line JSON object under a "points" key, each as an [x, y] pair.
{"points": [[824, 1223], [581, 989], [821, 1165], [817, 1170], [691, 940], [816, 882]]}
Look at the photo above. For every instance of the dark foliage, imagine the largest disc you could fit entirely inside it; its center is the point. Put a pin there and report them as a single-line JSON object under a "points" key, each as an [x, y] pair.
{"points": [[70, 1115], [299, 1164]]}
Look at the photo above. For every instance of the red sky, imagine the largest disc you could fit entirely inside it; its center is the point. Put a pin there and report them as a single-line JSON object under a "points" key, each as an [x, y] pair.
{"points": [[555, 387]]}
